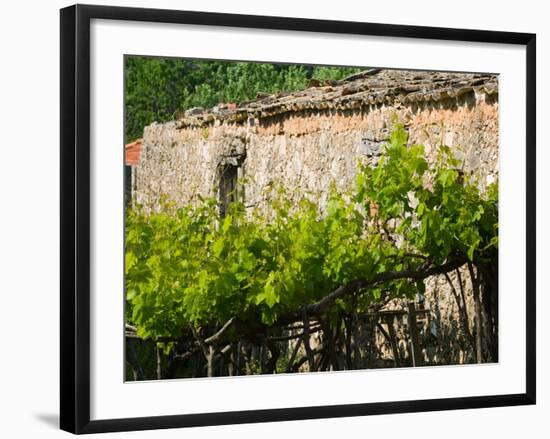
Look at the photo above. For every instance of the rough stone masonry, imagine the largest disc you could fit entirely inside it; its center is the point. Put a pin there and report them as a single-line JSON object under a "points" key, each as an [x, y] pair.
{"points": [[315, 137]]}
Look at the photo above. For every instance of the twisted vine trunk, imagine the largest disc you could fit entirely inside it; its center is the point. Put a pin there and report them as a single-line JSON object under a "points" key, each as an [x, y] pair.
{"points": [[159, 363], [347, 341], [477, 311], [489, 294]]}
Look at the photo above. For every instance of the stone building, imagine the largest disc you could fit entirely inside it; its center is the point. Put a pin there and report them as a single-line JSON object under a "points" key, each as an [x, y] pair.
{"points": [[314, 137], [309, 139]]}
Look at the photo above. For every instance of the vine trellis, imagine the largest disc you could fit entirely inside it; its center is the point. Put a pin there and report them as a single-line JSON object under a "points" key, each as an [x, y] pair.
{"points": [[289, 287]]}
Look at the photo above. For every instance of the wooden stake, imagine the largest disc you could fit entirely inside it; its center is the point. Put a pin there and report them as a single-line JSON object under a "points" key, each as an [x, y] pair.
{"points": [[413, 331], [393, 340]]}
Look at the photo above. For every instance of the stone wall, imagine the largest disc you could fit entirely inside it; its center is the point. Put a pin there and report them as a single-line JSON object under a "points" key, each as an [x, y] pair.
{"points": [[310, 149]]}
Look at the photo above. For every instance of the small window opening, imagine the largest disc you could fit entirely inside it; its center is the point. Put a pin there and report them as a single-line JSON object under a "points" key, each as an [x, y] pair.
{"points": [[228, 187]]}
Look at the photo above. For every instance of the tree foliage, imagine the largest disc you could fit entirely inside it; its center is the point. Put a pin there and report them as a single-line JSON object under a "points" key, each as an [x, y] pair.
{"points": [[158, 88]]}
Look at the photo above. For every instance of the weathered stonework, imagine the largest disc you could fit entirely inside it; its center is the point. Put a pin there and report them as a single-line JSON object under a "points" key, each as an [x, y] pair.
{"points": [[314, 138], [311, 139]]}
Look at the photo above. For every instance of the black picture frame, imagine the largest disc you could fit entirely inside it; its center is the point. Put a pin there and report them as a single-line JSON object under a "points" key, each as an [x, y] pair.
{"points": [[75, 217]]}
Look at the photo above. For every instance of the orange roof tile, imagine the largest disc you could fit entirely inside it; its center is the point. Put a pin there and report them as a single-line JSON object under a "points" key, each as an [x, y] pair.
{"points": [[133, 151]]}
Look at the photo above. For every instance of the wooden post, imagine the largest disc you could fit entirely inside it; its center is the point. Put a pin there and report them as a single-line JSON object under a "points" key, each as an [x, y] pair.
{"points": [[356, 335], [347, 340], [210, 361], [293, 355], [334, 335], [413, 331], [238, 359], [390, 320], [133, 359], [477, 310], [305, 339], [159, 363], [231, 363]]}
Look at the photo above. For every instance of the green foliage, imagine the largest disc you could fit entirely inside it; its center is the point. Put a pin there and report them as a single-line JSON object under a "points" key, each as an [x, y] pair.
{"points": [[189, 265], [154, 90], [439, 211], [157, 88]]}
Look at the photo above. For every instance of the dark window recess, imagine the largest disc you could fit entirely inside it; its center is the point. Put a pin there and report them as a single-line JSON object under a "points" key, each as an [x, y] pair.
{"points": [[127, 185], [228, 187]]}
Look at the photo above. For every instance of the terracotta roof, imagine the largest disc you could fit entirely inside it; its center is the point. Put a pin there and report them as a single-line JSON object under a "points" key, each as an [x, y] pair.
{"points": [[133, 152], [370, 87]]}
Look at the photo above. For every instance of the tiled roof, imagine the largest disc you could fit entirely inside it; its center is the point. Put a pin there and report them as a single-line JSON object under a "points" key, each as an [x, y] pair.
{"points": [[370, 87]]}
